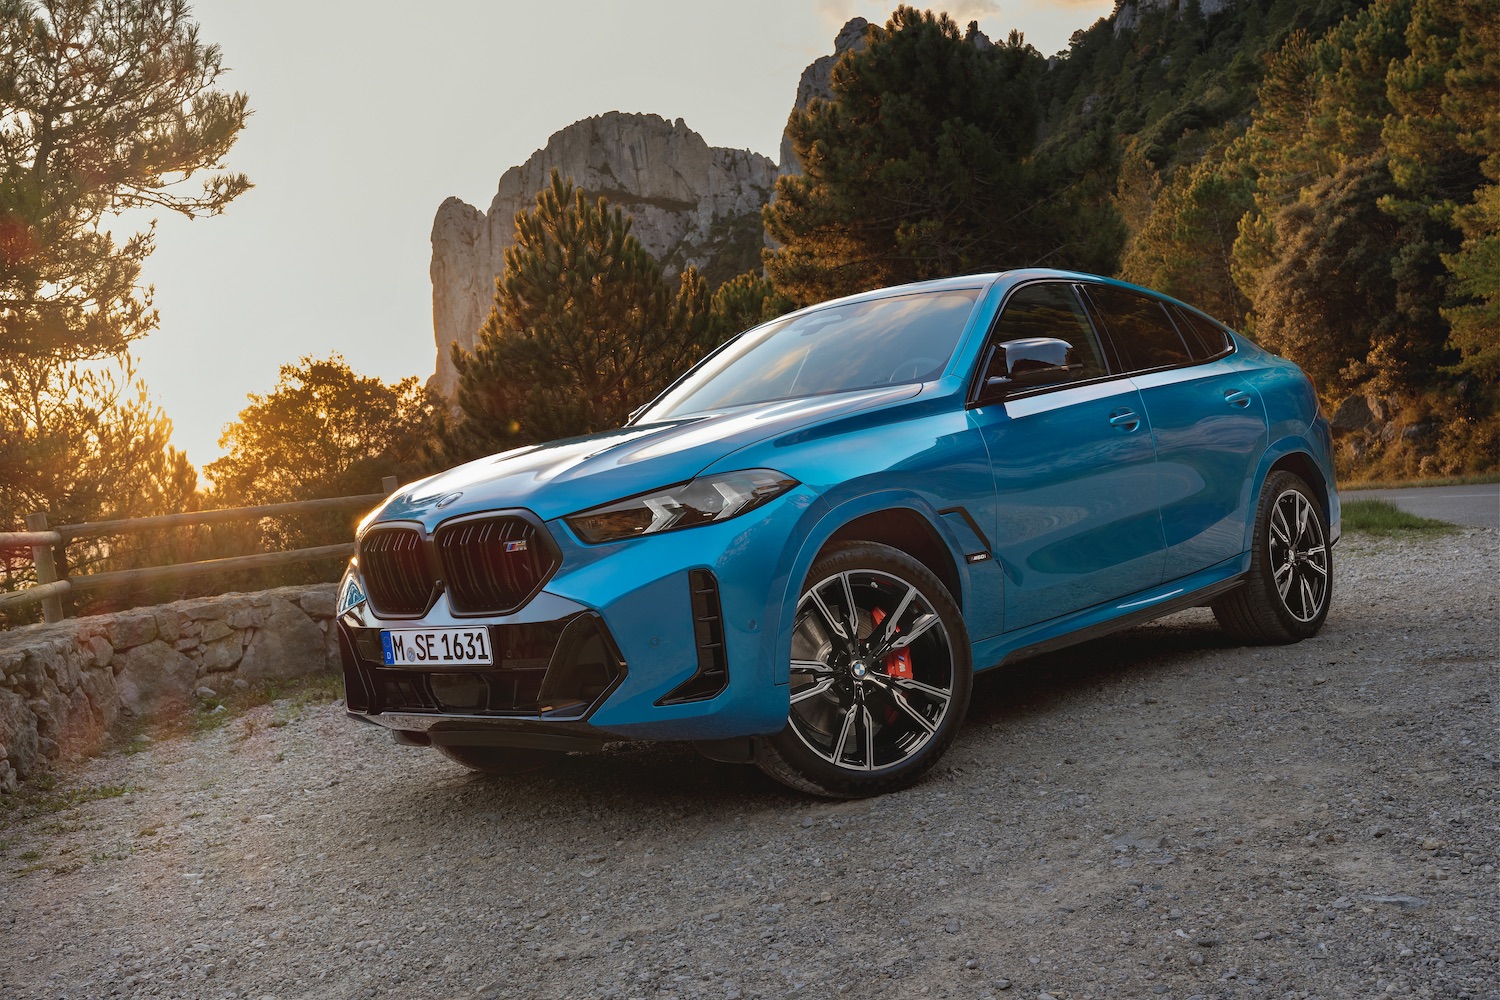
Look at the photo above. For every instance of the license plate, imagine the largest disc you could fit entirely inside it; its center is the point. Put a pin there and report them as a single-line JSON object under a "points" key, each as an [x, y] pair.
{"points": [[449, 647]]}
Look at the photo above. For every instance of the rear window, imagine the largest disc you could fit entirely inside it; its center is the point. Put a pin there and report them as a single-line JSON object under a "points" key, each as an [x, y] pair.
{"points": [[1141, 329], [1205, 338]]}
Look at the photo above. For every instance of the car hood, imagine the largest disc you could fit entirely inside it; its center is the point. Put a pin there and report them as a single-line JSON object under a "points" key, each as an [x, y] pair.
{"points": [[562, 477]]}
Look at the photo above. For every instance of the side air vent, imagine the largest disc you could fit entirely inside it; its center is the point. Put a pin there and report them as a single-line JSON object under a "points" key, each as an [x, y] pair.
{"points": [[394, 566], [493, 565], [712, 675]]}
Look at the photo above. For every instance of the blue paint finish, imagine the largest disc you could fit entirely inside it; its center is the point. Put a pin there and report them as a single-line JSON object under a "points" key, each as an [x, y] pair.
{"points": [[1074, 513], [1209, 427], [1097, 502]]}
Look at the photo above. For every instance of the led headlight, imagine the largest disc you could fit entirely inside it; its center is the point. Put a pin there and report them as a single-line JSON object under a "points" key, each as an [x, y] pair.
{"points": [[702, 501], [350, 593]]}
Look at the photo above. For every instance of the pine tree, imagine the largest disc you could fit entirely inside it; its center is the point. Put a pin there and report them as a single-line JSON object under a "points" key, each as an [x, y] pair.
{"points": [[583, 331], [922, 165], [104, 106]]}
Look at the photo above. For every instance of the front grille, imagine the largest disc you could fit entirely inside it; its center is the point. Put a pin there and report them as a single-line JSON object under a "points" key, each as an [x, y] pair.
{"points": [[393, 563], [493, 565]]}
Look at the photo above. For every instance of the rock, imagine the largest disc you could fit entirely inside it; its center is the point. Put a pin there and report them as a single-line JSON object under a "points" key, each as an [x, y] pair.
{"points": [[817, 82], [223, 654], [318, 601], [103, 652], [212, 630], [166, 624], [1353, 415], [154, 678], [18, 733], [103, 695], [206, 693], [289, 644], [1127, 13], [691, 203], [132, 628]]}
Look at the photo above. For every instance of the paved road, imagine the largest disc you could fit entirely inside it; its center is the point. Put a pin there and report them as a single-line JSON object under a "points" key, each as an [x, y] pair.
{"points": [[1473, 505]]}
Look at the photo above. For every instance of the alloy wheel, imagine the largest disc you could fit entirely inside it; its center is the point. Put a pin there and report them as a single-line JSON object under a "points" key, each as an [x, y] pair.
{"points": [[1299, 555], [872, 670]]}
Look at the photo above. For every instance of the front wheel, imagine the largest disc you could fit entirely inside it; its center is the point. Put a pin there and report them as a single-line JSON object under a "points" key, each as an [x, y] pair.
{"points": [[880, 676], [1287, 594]]}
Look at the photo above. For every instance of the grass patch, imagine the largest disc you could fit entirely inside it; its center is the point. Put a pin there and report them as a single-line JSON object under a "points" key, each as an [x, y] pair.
{"points": [[41, 796], [1401, 484], [1381, 517]]}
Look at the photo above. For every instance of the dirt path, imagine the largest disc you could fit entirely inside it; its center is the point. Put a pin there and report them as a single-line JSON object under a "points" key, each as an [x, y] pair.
{"points": [[1157, 813]]}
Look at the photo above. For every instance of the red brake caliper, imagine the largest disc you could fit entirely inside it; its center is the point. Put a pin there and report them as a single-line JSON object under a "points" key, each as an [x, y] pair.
{"points": [[898, 663]]}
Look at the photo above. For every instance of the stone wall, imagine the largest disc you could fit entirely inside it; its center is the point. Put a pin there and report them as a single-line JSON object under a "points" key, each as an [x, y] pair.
{"points": [[65, 687]]}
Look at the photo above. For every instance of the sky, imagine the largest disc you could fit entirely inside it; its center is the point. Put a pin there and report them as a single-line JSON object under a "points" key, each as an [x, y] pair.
{"points": [[367, 115]]}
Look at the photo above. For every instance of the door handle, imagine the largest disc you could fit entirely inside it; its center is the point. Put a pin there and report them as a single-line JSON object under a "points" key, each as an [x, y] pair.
{"points": [[1125, 419], [1237, 397]]}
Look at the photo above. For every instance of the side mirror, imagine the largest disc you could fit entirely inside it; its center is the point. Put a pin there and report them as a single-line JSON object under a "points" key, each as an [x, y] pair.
{"points": [[1024, 364]]}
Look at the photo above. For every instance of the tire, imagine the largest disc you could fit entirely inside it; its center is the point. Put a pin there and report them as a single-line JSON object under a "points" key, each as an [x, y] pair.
{"points": [[1286, 597], [875, 704], [499, 760]]}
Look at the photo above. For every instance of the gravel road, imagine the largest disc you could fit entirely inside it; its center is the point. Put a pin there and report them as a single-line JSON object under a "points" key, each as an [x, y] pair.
{"points": [[1154, 814]]}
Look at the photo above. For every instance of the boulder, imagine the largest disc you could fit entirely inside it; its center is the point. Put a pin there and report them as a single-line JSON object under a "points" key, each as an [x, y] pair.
{"points": [[1354, 414], [155, 679], [289, 644], [132, 628]]}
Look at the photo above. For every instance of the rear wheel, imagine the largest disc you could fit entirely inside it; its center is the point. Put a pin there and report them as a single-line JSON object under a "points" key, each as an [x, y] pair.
{"points": [[1287, 594], [499, 760], [880, 676]]}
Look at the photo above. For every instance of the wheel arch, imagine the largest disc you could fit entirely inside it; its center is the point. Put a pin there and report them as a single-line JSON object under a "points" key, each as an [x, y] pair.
{"points": [[1299, 457], [904, 529]]}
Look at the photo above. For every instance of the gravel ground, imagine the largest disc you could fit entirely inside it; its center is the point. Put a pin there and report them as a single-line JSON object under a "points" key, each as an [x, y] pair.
{"points": [[1154, 814]]}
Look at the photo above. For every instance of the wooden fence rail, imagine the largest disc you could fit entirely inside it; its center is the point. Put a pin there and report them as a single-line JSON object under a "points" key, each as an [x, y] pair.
{"points": [[44, 541]]}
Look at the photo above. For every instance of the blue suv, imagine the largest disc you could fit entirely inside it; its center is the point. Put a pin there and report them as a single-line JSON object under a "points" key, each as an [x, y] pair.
{"points": [[801, 552]]}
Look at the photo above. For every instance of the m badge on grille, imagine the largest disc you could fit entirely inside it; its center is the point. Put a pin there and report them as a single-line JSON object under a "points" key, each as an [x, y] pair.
{"points": [[516, 546]]}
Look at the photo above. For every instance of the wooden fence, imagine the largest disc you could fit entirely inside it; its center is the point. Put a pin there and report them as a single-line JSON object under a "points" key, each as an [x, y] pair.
{"points": [[44, 541]]}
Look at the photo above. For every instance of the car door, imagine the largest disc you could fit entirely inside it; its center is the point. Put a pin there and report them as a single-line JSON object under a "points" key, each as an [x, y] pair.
{"points": [[1208, 423], [1075, 516]]}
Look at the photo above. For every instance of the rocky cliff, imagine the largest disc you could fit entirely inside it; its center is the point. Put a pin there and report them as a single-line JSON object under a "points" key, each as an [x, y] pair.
{"points": [[692, 204], [1127, 13]]}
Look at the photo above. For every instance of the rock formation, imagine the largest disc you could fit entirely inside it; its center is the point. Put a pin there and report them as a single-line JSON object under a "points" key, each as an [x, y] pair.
{"points": [[1127, 13], [817, 81], [692, 203]]}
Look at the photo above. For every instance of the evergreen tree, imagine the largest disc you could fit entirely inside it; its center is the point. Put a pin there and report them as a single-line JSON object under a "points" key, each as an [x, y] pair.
{"points": [[1471, 100], [922, 165], [583, 331], [742, 302], [105, 105]]}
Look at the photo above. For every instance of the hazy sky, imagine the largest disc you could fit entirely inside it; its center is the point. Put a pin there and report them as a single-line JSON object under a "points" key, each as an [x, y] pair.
{"points": [[368, 115]]}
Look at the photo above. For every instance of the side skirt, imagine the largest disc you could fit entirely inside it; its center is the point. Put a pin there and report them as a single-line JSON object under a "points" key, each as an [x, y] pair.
{"points": [[1102, 619]]}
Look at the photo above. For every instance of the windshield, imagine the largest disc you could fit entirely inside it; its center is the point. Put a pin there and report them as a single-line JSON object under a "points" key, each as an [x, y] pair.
{"points": [[857, 345]]}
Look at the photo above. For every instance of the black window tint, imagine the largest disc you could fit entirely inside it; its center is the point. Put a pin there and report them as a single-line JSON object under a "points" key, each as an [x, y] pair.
{"points": [[1142, 331], [1205, 338], [1049, 310]]}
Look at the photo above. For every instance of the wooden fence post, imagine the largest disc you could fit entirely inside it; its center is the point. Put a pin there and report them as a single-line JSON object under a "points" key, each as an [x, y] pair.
{"points": [[45, 561]]}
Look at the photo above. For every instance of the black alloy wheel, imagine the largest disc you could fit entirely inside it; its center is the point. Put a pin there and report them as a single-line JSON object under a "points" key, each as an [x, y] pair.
{"points": [[880, 676]]}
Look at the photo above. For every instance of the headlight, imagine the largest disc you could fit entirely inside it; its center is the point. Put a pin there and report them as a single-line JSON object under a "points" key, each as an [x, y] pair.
{"points": [[702, 501], [350, 592]]}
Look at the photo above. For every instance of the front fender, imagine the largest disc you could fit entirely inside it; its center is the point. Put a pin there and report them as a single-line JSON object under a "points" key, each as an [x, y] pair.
{"points": [[825, 518]]}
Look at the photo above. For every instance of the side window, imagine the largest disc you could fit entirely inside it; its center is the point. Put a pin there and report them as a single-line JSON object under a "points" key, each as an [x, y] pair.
{"points": [[1142, 331], [1205, 338], [1050, 309]]}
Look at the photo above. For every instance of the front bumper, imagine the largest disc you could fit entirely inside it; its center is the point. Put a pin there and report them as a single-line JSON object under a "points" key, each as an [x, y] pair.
{"points": [[621, 643]]}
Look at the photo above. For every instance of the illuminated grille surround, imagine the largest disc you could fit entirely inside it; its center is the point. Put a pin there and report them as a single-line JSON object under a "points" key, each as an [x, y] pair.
{"points": [[488, 563]]}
